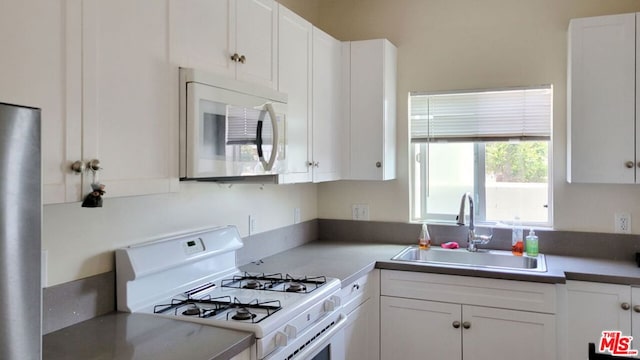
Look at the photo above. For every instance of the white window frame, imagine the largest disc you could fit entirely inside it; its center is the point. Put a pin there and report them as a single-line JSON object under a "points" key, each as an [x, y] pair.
{"points": [[479, 191]]}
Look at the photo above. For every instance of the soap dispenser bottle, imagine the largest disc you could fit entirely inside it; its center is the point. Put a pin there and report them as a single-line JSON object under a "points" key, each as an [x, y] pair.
{"points": [[424, 240], [532, 244]]}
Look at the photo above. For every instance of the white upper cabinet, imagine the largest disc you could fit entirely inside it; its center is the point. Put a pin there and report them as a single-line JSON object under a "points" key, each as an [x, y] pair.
{"points": [[602, 99], [328, 125], [32, 69], [237, 38], [127, 95], [294, 79], [371, 109]]}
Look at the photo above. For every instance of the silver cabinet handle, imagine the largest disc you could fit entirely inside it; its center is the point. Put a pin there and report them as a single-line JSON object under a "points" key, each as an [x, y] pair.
{"points": [[625, 306], [235, 57], [466, 325], [242, 59], [78, 167], [629, 164], [94, 165], [456, 324], [636, 308]]}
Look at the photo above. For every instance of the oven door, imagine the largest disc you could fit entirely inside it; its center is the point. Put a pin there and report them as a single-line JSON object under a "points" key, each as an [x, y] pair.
{"points": [[328, 344]]}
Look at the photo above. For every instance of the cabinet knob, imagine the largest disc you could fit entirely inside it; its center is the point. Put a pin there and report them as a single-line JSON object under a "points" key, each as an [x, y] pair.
{"points": [[378, 164], [78, 167], [636, 308], [466, 325], [625, 306], [456, 324], [629, 164], [316, 164], [94, 165], [235, 57], [356, 286], [242, 59], [309, 163]]}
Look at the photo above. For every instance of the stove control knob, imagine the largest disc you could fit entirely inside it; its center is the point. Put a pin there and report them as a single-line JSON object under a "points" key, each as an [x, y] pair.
{"points": [[281, 339], [291, 331], [330, 305]]}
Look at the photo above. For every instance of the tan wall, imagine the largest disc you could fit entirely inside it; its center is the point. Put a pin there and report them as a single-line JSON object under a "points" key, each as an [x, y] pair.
{"points": [[467, 44], [80, 241]]}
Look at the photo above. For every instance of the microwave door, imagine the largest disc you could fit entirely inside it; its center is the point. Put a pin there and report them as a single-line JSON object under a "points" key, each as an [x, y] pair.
{"points": [[268, 165]]}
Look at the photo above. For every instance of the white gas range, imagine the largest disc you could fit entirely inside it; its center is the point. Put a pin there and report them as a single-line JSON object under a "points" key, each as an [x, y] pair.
{"points": [[194, 277]]}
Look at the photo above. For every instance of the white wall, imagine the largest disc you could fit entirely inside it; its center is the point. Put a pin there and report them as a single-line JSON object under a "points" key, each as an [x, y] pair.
{"points": [[80, 241], [470, 44]]}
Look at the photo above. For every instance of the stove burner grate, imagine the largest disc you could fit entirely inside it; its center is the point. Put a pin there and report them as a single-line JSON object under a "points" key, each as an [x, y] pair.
{"points": [[209, 307], [275, 282], [214, 306]]}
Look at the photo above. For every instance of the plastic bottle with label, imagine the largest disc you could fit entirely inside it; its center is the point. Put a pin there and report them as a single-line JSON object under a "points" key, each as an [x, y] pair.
{"points": [[517, 239], [532, 244]]}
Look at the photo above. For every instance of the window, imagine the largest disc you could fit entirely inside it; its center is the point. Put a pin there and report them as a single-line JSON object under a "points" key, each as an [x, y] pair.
{"points": [[494, 144]]}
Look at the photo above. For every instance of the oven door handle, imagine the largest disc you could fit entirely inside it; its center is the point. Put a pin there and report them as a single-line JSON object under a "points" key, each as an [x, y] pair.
{"points": [[321, 342]]}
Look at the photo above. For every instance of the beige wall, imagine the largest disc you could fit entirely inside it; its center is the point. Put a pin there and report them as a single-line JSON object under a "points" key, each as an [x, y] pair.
{"points": [[467, 44], [80, 242]]}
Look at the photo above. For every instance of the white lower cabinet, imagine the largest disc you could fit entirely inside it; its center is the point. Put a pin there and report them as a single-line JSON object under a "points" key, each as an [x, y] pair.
{"points": [[596, 307], [431, 316], [361, 304]]}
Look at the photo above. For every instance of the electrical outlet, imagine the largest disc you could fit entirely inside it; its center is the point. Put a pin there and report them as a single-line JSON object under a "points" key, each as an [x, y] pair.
{"points": [[360, 212], [622, 223], [296, 215], [252, 225]]}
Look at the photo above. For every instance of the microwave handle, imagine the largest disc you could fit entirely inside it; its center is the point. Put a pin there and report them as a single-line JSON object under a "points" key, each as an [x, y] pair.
{"points": [[268, 165]]}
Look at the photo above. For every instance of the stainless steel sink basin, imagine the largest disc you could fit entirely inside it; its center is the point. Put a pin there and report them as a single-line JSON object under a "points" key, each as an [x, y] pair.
{"points": [[481, 259]]}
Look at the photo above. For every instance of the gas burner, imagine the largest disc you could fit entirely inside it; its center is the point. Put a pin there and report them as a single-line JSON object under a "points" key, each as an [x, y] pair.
{"points": [[191, 311], [243, 314], [252, 284], [275, 282], [296, 287]]}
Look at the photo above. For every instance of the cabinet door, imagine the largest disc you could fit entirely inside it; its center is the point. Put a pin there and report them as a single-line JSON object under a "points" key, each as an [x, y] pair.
{"points": [[417, 329], [294, 79], [602, 100], [500, 334], [202, 35], [328, 126], [361, 337], [129, 96], [593, 308], [32, 69], [256, 31], [372, 117]]}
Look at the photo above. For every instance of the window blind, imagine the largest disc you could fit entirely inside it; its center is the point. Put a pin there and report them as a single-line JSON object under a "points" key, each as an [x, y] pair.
{"points": [[242, 124], [483, 115]]}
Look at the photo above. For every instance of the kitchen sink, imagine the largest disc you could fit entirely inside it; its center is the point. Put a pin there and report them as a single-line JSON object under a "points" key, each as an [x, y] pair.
{"points": [[481, 259]]}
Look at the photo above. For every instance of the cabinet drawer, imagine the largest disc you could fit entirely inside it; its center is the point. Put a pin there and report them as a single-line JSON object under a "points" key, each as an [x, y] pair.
{"points": [[506, 294], [359, 291]]}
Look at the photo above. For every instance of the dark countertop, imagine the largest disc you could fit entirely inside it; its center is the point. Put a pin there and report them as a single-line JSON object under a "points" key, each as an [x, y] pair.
{"points": [[124, 336], [348, 261]]}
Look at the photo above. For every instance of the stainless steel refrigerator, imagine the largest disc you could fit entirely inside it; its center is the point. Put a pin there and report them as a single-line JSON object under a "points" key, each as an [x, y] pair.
{"points": [[20, 234]]}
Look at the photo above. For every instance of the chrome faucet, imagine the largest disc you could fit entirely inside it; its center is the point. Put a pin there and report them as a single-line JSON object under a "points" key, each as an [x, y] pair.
{"points": [[473, 239]]}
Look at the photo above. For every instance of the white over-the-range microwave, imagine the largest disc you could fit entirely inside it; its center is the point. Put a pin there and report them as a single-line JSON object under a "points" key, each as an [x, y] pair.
{"points": [[230, 130]]}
